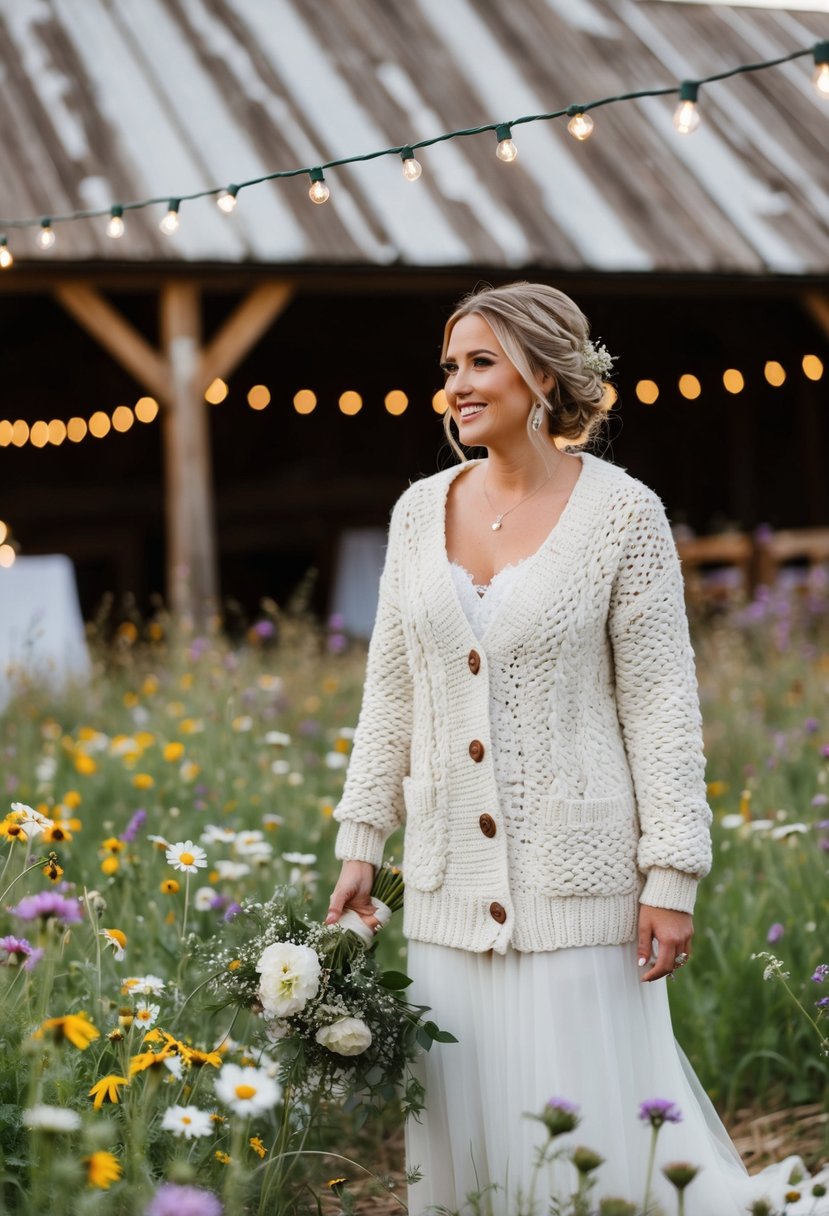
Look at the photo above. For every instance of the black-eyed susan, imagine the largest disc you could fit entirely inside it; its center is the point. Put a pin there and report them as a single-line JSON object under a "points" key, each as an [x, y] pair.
{"points": [[170, 887], [74, 1027], [197, 1059], [107, 1089], [52, 870], [112, 845], [102, 1169], [58, 833]]}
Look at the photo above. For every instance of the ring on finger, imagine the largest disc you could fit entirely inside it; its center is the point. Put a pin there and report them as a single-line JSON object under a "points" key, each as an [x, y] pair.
{"points": [[680, 960]]}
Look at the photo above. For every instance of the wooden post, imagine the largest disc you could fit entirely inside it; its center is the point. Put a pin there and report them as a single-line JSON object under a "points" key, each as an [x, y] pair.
{"points": [[192, 576]]}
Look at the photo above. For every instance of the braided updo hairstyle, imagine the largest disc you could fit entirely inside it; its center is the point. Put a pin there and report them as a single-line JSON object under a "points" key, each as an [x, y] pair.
{"points": [[542, 332]]}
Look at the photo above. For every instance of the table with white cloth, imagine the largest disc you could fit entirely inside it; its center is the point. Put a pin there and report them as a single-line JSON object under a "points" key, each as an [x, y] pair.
{"points": [[42, 637]]}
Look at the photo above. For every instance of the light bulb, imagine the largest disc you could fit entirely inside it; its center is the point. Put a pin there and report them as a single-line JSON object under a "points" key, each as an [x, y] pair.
{"points": [[170, 223], [115, 224], [581, 126], [686, 116], [6, 258], [318, 191], [506, 149], [412, 169], [226, 200], [46, 236], [820, 80]]}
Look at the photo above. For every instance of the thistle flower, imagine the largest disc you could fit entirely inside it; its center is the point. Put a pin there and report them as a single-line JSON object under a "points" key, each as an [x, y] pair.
{"points": [[559, 1116], [48, 905], [173, 1200], [585, 1160], [17, 950], [680, 1173], [657, 1111]]}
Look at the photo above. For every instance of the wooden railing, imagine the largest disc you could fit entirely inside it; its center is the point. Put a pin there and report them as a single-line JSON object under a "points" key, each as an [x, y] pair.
{"points": [[720, 568]]}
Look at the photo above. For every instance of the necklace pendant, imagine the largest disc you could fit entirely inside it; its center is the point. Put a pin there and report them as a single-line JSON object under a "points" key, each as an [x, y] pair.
{"points": [[497, 523]]}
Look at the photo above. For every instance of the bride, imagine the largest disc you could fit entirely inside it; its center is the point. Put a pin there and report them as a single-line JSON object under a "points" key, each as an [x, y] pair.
{"points": [[531, 713]]}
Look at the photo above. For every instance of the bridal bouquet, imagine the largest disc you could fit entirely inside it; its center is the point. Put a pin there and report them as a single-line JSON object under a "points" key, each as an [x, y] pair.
{"points": [[337, 1024]]}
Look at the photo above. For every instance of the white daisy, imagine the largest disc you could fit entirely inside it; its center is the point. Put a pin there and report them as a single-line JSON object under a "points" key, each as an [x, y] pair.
{"points": [[231, 869], [118, 941], [186, 856], [32, 821], [280, 767], [203, 899], [247, 1091], [336, 760], [278, 738], [213, 834], [346, 732], [144, 985], [52, 1118], [161, 841], [187, 1121], [147, 1014], [300, 859], [272, 821]]}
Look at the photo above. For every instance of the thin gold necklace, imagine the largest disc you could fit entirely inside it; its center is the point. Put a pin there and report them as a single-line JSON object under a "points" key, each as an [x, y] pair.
{"points": [[499, 519]]}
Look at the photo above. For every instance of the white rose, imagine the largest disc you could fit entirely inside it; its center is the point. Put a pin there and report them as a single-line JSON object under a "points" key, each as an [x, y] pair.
{"points": [[346, 1036], [290, 977]]}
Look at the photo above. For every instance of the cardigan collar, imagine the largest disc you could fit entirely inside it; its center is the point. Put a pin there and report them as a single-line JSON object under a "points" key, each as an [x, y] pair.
{"points": [[506, 627]]}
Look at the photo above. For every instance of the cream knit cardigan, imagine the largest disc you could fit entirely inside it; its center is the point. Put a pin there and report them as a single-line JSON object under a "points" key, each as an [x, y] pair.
{"points": [[603, 803]]}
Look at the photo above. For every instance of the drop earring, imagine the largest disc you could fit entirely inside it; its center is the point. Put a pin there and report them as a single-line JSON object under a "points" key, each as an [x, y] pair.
{"points": [[538, 414]]}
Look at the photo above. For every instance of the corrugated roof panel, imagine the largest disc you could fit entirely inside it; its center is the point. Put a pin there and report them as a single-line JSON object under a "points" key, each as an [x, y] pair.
{"points": [[115, 100]]}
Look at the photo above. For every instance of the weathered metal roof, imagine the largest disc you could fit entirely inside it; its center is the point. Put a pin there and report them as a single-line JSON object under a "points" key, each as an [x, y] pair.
{"points": [[106, 101]]}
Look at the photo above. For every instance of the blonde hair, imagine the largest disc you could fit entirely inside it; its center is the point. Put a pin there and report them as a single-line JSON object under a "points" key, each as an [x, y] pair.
{"points": [[542, 332]]}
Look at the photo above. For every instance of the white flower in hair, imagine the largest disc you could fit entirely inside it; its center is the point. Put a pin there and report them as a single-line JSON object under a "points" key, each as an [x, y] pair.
{"points": [[597, 358]]}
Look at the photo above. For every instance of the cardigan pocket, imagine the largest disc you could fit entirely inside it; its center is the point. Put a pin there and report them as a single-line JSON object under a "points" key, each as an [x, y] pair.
{"points": [[425, 840], [588, 847]]}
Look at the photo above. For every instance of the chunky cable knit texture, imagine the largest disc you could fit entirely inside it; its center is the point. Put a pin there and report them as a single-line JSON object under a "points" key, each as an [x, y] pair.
{"points": [[596, 798]]}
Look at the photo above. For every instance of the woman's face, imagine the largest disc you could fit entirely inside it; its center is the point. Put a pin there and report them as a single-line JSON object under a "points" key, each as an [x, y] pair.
{"points": [[488, 398]]}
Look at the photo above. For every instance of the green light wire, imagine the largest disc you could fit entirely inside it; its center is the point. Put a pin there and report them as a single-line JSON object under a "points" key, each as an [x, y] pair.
{"points": [[309, 171]]}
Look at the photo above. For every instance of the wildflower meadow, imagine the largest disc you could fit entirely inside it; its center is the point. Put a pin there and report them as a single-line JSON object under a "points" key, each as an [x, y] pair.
{"points": [[181, 1034]]}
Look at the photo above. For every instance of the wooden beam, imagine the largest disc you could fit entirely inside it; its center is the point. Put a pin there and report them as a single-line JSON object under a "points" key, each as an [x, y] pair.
{"points": [[98, 317], [817, 306], [243, 329], [192, 579]]}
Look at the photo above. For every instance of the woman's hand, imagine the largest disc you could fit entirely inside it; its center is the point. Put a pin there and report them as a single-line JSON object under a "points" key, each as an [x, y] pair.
{"points": [[353, 890], [673, 932]]}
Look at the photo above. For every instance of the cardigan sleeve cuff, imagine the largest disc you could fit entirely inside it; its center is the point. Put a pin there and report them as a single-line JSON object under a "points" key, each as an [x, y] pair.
{"points": [[359, 842], [670, 889]]}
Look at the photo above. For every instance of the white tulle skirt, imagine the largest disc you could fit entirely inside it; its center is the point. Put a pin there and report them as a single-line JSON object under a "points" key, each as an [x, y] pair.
{"points": [[576, 1024]]}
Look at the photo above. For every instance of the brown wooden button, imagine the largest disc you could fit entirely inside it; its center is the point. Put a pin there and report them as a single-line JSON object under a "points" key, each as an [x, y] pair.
{"points": [[474, 661], [476, 750], [498, 912], [487, 825]]}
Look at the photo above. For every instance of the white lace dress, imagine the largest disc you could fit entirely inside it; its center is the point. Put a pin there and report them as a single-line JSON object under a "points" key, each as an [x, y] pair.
{"points": [[575, 1023]]}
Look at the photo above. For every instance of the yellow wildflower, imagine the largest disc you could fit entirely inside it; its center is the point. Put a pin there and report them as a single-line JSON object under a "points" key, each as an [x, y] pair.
{"points": [[149, 1059], [72, 799], [112, 845], [257, 1146], [175, 709], [52, 870], [197, 1059], [58, 833], [223, 1158], [234, 965], [144, 739], [189, 771], [155, 632], [170, 887], [150, 686], [173, 751], [128, 632], [130, 700], [85, 765], [106, 1090], [76, 1027], [102, 1169], [330, 685], [745, 805], [716, 789], [143, 781], [110, 866], [186, 680], [341, 745]]}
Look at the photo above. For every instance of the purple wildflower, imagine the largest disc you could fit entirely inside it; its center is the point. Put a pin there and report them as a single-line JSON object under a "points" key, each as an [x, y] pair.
{"points": [[18, 951], [309, 727], [232, 912], [48, 904], [173, 1200], [560, 1116], [824, 751], [336, 622], [811, 725], [264, 629], [197, 648], [657, 1111], [337, 643], [821, 972], [821, 800], [775, 932], [136, 823], [823, 1003]]}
